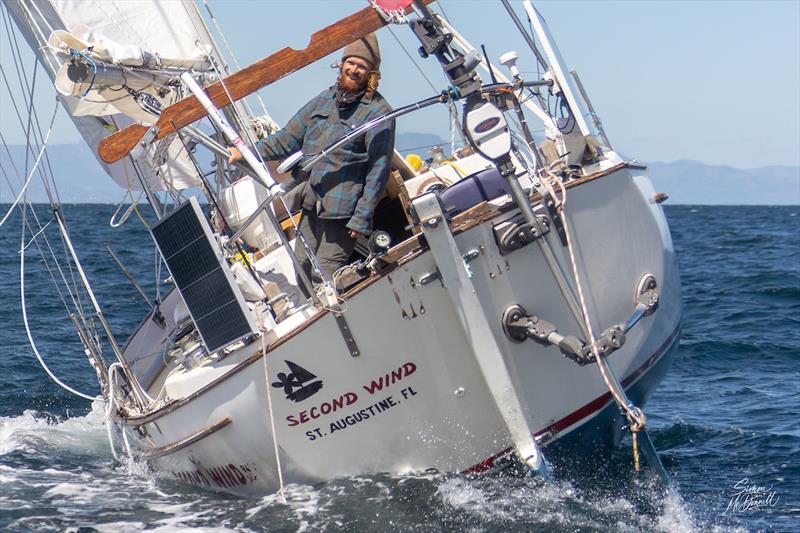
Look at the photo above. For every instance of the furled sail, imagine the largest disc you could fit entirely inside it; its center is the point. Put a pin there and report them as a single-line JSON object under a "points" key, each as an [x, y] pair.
{"points": [[114, 63]]}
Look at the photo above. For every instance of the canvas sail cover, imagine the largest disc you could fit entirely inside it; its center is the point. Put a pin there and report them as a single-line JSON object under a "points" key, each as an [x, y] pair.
{"points": [[153, 39]]}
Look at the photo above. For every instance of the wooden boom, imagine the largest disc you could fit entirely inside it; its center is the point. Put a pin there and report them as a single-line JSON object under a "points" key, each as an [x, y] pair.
{"points": [[247, 81]]}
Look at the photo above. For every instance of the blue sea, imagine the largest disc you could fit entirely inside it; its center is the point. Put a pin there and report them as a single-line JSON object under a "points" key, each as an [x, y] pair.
{"points": [[726, 419]]}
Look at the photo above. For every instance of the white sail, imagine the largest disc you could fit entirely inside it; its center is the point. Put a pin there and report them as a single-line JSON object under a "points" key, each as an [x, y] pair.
{"points": [[147, 41]]}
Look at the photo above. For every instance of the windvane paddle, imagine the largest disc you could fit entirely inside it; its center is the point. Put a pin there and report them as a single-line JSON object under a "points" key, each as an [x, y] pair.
{"points": [[250, 79]]}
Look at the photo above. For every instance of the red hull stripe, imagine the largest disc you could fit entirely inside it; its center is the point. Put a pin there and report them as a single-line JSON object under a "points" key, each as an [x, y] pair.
{"points": [[587, 410]]}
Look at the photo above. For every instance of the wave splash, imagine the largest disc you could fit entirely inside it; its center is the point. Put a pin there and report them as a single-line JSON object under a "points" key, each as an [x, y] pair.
{"points": [[35, 432]]}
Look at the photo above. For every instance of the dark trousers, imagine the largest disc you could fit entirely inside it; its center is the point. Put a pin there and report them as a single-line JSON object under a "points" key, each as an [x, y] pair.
{"points": [[330, 241]]}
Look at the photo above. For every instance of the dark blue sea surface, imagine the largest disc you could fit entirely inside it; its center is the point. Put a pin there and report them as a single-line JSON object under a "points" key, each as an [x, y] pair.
{"points": [[726, 419]]}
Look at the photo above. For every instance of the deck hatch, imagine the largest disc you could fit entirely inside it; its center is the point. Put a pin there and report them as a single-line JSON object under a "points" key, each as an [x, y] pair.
{"points": [[205, 283]]}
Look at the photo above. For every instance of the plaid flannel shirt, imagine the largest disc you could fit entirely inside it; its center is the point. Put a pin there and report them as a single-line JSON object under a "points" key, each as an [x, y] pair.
{"points": [[350, 181]]}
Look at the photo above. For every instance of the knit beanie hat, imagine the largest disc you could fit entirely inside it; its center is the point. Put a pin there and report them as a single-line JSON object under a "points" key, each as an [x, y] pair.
{"points": [[365, 48]]}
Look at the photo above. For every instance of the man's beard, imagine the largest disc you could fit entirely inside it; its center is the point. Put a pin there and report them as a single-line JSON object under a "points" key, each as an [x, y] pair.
{"points": [[348, 85]]}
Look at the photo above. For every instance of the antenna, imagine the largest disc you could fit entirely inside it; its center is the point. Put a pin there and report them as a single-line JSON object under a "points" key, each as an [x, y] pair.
{"points": [[486, 57], [509, 60]]}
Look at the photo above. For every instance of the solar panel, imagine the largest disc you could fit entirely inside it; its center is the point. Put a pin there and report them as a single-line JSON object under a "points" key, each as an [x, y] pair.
{"points": [[205, 282]]}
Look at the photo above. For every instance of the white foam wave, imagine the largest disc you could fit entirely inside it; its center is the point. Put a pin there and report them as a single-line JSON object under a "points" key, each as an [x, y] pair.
{"points": [[559, 503], [76, 492], [119, 527], [31, 429], [461, 494]]}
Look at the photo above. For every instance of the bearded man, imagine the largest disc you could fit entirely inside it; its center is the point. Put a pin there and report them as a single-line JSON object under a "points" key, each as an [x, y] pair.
{"points": [[343, 189]]}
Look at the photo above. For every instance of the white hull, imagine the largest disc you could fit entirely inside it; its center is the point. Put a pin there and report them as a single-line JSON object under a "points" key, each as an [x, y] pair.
{"points": [[436, 410]]}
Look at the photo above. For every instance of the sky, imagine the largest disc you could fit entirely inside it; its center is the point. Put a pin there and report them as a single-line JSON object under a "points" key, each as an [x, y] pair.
{"points": [[713, 81]]}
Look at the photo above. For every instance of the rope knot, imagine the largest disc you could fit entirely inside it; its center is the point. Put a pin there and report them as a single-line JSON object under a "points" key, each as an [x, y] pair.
{"points": [[636, 419]]}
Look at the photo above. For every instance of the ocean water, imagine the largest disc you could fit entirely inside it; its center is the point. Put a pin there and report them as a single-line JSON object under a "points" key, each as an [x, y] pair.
{"points": [[726, 419]]}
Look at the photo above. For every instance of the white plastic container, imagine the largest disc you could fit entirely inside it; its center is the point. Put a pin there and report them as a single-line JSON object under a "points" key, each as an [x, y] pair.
{"points": [[240, 200]]}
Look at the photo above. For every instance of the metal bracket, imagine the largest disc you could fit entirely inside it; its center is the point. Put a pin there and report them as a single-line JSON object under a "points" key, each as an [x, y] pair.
{"points": [[476, 329], [428, 277], [512, 236], [330, 301], [144, 143], [341, 322], [518, 326], [433, 275]]}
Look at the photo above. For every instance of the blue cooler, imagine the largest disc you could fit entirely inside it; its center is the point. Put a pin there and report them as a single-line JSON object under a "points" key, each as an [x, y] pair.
{"points": [[479, 187]]}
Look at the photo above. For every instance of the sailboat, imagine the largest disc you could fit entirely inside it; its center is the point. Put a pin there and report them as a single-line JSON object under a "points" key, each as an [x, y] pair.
{"points": [[519, 305]]}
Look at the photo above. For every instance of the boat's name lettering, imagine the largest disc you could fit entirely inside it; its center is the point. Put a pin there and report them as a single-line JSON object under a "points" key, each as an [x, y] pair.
{"points": [[380, 383], [325, 408], [229, 475], [390, 378], [362, 415]]}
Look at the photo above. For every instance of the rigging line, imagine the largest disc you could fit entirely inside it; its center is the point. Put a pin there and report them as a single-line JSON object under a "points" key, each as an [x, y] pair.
{"points": [[40, 38], [199, 40], [217, 50], [47, 241], [38, 246], [157, 271], [21, 75], [243, 125], [36, 116], [37, 234], [47, 266], [129, 193], [246, 130], [634, 414], [42, 141], [35, 166], [128, 182], [230, 51], [44, 19], [29, 103], [221, 34], [27, 325], [411, 58], [450, 106], [440, 3], [419, 147], [42, 173]]}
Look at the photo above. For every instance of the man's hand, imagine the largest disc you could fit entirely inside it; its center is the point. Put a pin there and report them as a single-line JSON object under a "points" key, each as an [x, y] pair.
{"points": [[356, 234], [236, 155]]}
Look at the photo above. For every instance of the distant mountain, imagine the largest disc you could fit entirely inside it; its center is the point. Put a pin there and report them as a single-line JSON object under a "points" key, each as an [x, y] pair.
{"points": [[692, 182], [80, 179]]}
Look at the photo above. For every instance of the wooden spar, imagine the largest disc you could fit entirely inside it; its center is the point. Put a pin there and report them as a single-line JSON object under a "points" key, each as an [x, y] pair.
{"points": [[248, 80]]}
